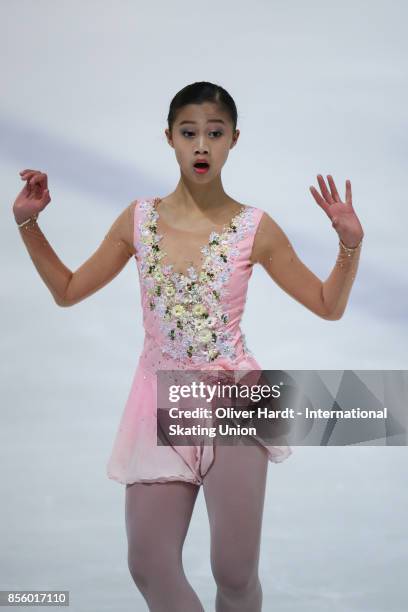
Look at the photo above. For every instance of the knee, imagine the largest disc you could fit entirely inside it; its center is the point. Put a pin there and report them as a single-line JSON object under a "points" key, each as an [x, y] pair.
{"points": [[138, 573], [139, 568], [234, 576], [150, 567]]}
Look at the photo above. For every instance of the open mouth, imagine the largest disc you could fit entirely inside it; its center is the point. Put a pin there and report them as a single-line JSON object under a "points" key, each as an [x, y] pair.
{"points": [[201, 167]]}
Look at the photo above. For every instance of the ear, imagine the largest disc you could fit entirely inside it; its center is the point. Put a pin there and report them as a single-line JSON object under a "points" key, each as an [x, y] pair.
{"points": [[169, 138], [235, 139]]}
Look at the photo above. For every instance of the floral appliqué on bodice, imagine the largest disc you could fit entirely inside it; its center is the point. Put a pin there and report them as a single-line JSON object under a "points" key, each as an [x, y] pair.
{"points": [[191, 307]]}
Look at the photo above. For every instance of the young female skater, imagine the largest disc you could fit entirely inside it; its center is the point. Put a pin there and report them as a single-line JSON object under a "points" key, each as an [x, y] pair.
{"points": [[194, 250]]}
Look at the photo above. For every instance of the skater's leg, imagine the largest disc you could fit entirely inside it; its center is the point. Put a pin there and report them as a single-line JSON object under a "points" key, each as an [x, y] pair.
{"points": [[157, 519], [234, 490]]}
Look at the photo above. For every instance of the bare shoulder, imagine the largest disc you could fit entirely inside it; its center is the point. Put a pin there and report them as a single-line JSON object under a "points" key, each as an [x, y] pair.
{"points": [[268, 239], [129, 225], [122, 229]]}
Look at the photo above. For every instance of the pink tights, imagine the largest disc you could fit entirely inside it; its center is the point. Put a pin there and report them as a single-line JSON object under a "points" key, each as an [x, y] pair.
{"points": [[157, 520]]}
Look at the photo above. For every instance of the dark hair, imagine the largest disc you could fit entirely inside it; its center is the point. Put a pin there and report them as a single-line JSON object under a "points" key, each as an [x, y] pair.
{"points": [[199, 92]]}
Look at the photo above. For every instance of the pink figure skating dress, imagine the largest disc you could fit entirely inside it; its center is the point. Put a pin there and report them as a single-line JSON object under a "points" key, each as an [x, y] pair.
{"points": [[191, 321]]}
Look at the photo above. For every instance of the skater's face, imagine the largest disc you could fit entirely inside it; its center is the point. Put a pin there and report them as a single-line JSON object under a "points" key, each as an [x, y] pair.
{"points": [[202, 132]]}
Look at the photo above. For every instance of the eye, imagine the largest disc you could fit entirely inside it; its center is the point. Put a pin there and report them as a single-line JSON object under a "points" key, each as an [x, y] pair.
{"points": [[189, 132]]}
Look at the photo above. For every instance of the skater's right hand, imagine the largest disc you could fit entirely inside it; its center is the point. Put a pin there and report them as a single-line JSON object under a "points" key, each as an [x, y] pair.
{"points": [[34, 196]]}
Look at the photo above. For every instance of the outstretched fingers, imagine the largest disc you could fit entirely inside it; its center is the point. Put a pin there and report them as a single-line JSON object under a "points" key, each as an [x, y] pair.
{"points": [[333, 188], [323, 202], [348, 193], [328, 199]]}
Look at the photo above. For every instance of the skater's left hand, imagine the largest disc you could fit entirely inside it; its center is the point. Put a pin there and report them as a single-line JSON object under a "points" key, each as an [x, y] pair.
{"points": [[342, 214]]}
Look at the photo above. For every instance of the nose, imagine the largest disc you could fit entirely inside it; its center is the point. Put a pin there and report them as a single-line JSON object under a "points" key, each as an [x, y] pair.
{"points": [[201, 146]]}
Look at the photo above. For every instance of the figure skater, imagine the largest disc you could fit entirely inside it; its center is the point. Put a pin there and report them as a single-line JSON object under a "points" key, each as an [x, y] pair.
{"points": [[194, 250]]}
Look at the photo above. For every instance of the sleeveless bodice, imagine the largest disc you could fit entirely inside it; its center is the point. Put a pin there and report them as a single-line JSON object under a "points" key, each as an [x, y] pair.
{"points": [[193, 320]]}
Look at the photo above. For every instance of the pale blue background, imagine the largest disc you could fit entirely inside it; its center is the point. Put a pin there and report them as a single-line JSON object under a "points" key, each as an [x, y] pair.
{"points": [[320, 88]]}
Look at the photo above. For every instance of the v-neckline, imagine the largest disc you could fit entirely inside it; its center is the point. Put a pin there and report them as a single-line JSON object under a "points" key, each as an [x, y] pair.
{"points": [[207, 245]]}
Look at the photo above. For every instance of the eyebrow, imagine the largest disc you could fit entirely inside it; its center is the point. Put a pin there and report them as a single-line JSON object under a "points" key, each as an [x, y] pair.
{"points": [[209, 121]]}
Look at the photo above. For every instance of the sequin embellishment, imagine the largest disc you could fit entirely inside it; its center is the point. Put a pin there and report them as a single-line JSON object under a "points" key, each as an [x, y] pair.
{"points": [[192, 318]]}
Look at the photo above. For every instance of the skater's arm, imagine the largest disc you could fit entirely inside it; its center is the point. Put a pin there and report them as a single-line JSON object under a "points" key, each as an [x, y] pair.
{"points": [[328, 299], [67, 287]]}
